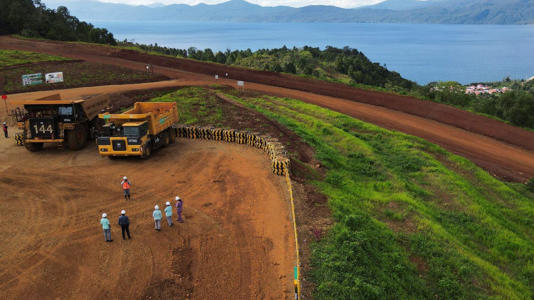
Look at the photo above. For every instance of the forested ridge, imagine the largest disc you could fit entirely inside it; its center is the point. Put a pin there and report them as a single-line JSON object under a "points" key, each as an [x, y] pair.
{"points": [[33, 19], [345, 65]]}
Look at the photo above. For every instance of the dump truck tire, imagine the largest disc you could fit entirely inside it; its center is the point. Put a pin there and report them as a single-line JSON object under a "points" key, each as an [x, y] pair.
{"points": [[33, 147], [147, 150], [166, 138], [77, 138], [172, 135]]}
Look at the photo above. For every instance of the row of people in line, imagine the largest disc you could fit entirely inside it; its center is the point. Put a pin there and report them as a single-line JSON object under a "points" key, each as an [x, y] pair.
{"points": [[124, 221], [157, 215]]}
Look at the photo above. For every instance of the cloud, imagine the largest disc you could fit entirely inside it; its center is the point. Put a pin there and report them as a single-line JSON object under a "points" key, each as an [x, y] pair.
{"points": [[294, 3]]}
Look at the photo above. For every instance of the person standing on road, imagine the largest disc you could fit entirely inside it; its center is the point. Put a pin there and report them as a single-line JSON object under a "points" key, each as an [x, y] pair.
{"points": [[157, 217], [124, 222], [125, 183], [168, 213], [4, 127], [179, 205], [106, 226]]}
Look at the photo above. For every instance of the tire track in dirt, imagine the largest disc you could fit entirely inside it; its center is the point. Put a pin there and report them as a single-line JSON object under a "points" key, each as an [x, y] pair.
{"points": [[47, 250], [52, 244]]}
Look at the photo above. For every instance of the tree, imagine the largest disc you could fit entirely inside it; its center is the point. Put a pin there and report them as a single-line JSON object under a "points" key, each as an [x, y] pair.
{"points": [[290, 68], [220, 57], [277, 68], [191, 52], [207, 55]]}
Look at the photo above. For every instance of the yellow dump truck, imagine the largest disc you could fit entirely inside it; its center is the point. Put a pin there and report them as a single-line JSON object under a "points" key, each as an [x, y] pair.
{"points": [[69, 122], [138, 131]]}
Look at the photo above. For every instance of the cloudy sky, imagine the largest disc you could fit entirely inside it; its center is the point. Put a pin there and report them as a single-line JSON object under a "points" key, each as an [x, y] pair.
{"points": [[294, 3]]}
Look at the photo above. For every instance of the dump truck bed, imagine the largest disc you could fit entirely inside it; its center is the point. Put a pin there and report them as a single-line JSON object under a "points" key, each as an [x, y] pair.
{"points": [[160, 115]]}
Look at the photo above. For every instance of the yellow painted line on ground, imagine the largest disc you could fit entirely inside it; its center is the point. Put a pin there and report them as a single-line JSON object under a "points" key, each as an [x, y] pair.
{"points": [[296, 280]]}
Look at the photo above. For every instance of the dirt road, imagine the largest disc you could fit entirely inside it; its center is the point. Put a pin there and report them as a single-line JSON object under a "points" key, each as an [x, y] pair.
{"points": [[503, 150], [501, 159], [236, 242], [192, 69]]}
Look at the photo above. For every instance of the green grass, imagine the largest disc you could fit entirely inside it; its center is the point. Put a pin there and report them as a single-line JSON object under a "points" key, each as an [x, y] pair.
{"points": [[196, 106], [412, 220], [15, 57]]}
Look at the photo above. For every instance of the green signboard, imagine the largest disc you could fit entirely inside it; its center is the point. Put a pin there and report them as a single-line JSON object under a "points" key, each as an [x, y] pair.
{"points": [[32, 79]]}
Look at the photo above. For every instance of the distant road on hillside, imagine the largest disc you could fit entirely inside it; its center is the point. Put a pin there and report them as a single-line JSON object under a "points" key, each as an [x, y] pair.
{"points": [[505, 151]]}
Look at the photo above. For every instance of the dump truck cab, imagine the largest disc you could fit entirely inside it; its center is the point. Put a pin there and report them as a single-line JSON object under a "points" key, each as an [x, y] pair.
{"points": [[55, 121], [127, 138], [138, 131]]}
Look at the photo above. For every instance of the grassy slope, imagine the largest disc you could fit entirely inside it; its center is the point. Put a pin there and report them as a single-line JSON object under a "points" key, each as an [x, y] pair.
{"points": [[196, 106], [412, 220], [15, 57]]}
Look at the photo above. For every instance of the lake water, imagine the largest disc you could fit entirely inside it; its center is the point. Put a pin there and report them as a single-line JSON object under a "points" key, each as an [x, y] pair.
{"points": [[420, 52]]}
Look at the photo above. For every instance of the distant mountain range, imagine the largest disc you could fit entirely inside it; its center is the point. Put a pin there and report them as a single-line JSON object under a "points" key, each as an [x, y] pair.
{"points": [[390, 11]]}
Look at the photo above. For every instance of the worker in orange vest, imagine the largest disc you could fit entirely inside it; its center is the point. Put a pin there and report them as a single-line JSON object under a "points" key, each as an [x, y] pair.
{"points": [[126, 187]]}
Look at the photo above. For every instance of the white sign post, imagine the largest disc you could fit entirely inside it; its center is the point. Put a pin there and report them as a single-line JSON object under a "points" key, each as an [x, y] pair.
{"points": [[240, 85], [54, 77]]}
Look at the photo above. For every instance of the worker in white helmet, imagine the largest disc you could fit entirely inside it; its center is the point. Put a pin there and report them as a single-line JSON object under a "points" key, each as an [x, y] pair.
{"points": [[168, 213], [125, 183], [124, 222], [157, 217], [179, 206], [106, 226]]}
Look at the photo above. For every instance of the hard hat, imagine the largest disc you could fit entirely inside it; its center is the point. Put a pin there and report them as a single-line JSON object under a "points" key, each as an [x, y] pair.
{"points": [[177, 198], [104, 215], [168, 203], [124, 177], [156, 207], [123, 212]]}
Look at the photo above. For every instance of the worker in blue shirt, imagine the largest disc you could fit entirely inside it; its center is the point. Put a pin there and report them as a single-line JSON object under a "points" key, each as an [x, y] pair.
{"points": [[168, 213], [106, 226], [157, 217]]}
